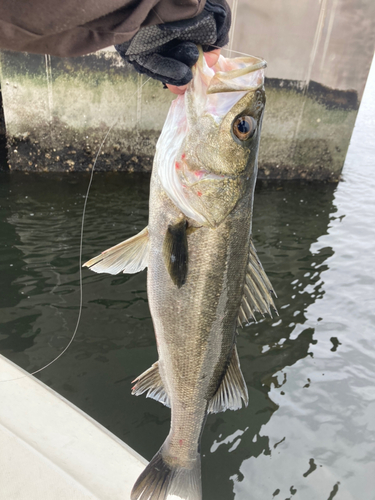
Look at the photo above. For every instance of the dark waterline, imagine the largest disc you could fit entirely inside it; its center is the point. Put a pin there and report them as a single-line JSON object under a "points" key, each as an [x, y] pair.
{"points": [[309, 429]]}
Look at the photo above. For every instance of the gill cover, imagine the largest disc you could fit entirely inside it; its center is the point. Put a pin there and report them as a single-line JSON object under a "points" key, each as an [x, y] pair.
{"points": [[197, 159]]}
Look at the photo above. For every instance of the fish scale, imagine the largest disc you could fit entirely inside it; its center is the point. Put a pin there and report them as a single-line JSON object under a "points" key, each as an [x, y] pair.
{"points": [[204, 278]]}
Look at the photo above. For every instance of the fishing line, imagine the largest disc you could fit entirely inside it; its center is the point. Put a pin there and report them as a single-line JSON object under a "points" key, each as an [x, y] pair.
{"points": [[80, 248], [82, 229]]}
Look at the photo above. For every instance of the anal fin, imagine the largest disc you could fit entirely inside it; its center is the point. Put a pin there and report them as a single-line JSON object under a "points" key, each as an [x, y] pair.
{"points": [[151, 382], [232, 390], [130, 256], [258, 291]]}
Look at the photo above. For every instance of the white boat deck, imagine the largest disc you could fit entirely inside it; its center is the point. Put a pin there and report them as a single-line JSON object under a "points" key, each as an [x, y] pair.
{"points": [[49, 449]]}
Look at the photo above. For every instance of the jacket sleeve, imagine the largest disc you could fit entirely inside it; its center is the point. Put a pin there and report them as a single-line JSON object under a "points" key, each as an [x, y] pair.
{"points": [[68, 28]]}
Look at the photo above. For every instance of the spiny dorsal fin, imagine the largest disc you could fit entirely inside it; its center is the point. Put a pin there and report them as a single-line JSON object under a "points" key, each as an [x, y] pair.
{"points": [[175, 252], [257, 296], [232, 389], [151, 382], [130, 256]]}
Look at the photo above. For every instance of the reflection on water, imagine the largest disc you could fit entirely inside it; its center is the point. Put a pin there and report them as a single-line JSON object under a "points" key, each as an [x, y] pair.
{"points": [[309, 430], [267, 450], [288, 220]]}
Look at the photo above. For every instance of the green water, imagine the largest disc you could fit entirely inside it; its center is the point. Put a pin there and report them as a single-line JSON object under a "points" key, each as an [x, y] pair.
{"points": [[309, 430], [307, 372]]}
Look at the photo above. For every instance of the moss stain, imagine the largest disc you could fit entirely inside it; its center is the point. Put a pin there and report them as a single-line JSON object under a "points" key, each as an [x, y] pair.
{"points": [[305, 134]]}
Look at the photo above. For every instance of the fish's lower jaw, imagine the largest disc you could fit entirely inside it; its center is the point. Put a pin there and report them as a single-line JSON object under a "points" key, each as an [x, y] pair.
{"points": [[161, 481]]}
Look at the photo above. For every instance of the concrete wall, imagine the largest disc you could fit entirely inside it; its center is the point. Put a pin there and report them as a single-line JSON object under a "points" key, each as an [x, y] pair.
{"points": [[327, 41], [57, 111]]}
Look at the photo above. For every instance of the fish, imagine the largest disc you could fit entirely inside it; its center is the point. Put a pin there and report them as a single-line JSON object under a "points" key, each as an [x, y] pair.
{"points": [[204, 278]]}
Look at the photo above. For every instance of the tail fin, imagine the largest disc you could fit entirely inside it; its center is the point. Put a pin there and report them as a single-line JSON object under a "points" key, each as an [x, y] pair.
{"points": [[161, 481]]}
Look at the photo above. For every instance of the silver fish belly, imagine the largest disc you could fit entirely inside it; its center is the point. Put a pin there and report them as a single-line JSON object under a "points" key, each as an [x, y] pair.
{"points": [[195, 325]]}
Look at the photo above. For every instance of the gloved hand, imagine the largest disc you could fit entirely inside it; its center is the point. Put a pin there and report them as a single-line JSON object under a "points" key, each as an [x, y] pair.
{"points": [[166, 52]]}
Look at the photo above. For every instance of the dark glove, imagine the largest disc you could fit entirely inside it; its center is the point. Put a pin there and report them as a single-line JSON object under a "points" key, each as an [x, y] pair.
{"points": [[166, 52]]}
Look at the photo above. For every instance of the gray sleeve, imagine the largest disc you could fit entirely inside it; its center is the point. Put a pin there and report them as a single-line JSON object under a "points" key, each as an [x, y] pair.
{"points": [[72, 28]]}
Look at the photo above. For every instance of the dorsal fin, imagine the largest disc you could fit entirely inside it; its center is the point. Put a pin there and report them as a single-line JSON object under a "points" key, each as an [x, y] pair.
{"points": [[232, 388], [130, 256], [257, 296]]}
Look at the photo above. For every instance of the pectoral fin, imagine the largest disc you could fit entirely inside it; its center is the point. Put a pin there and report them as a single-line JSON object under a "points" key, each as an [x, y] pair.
{"points": [[257, 296], [232, 389], [130, 256], [151, 382], [175, 252]]}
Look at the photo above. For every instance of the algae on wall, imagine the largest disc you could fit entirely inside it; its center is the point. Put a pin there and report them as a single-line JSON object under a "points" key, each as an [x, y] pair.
{"points": [[58, 112], [306, 132]]}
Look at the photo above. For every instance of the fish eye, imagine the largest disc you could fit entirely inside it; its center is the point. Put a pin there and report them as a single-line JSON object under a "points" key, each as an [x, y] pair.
{"points": [[244, 127]]}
